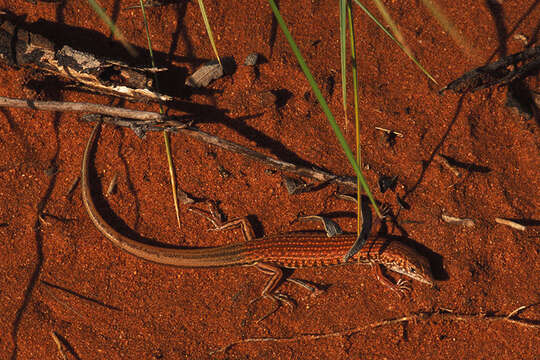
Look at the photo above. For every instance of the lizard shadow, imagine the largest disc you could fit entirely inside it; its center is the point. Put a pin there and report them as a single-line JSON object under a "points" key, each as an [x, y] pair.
{"points": [[110, 216], [435, 259]]}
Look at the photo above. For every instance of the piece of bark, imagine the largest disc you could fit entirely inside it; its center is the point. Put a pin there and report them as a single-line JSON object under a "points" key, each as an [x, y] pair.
{"points": [[510, 223], [20, 47], [205, 75], [211, 71], [500, 72], [458, 221]]}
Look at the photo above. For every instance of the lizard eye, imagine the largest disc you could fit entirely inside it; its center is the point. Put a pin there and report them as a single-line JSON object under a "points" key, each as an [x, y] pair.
{"points": [[412, 270]]}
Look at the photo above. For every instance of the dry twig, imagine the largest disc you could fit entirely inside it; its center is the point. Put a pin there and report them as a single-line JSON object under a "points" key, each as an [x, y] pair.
{"points": [[510, 223], [72, 187], [458, 221], [444, 162], [20, 46], [82, 107], [150, 121], [389, 131], [421, 316], [312, 173], [112, 185], [58, 345], [501, 72]]}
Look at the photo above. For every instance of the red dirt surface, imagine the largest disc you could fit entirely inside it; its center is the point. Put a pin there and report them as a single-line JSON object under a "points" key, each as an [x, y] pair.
{"points": [[60, 275]]}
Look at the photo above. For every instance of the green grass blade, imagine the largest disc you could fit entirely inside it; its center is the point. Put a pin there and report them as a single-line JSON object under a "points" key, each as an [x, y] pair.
{"points": [[150, 50], [323, 103], [343, 55], [166, 137], [114, 29], [356, 117], [396, 41], [209, 30]]}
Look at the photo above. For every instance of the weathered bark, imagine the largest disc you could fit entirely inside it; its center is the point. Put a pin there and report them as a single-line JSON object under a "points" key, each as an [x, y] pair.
{"points": [[21, 47]]}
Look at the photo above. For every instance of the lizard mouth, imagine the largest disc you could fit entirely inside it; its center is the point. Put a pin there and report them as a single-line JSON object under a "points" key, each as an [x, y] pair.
{"points": [[424, 280]]}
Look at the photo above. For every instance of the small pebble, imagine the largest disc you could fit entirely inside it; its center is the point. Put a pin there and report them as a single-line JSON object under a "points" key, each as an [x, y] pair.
{"points": [[205, 74], [51, 170], [224, 173], [251, 59], [296, 186], [267, 98]]}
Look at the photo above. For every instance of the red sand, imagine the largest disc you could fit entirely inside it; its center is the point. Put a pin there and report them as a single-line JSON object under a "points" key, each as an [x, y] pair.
{"points": [[120, 307]]}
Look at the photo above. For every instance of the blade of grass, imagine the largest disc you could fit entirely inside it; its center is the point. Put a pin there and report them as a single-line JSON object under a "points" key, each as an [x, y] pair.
{"points": [[323, 104], [447, 25], [356, 118], [396, 41], [208, 29], [114, 29], [166, 138], [343, 54], [391, 23]]}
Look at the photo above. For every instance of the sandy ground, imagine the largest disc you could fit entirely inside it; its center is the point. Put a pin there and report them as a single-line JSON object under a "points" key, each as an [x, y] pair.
{"points": [[59, 274]]}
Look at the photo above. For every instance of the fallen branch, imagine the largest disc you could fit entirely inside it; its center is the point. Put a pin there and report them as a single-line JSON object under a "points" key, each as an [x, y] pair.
{"points": [[150, 121], [21, 47], [500, 72], [312, 173], [82, 107]]}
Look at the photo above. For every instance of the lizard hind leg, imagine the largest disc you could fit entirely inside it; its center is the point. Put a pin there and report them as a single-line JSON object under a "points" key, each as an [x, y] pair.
{"points": [[278, 276], [269, 291]]}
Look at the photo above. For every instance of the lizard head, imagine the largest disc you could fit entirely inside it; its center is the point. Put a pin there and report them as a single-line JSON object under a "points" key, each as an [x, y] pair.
{"points": [[404, 260]]}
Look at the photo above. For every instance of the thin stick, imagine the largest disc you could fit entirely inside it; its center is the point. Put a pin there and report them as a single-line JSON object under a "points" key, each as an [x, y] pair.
{"points": [[58, 345], [72, 187], [316, 336], [84, 107], [458, 221], [112, 185], [319, 175], [389, 131], [435, 315], [312, 173], [444, 162], [150, 120], [510, 223]]}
